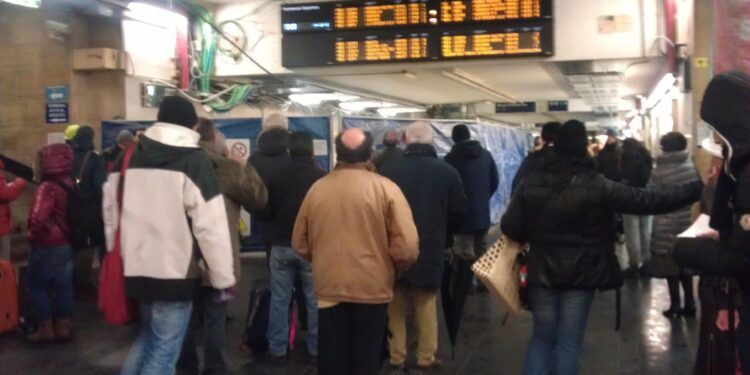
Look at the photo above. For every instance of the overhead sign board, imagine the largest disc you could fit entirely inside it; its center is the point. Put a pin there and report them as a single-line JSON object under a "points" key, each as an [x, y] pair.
{"points": [[521, 107], [557, 106]]}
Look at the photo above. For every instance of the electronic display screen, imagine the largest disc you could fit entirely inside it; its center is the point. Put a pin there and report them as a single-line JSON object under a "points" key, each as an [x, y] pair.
{"points": [[308, 50], [368, 15]]}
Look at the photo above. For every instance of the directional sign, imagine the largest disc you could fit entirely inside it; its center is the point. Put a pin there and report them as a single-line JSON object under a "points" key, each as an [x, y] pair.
{"points": [[56, 94], [522, 107], [57, 113], [557, 106]]}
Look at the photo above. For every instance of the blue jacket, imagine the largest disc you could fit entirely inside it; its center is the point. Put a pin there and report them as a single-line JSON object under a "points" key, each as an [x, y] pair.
{"points": [[479, 176]]}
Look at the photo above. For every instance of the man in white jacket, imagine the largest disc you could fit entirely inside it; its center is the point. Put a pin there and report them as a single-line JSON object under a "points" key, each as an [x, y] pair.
{"points": [[171, 207]]}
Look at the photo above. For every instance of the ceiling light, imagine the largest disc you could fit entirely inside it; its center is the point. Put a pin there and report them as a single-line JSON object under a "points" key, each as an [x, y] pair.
{"points": [[475, 83], [295, 89], [661, 90], [25, 3]]}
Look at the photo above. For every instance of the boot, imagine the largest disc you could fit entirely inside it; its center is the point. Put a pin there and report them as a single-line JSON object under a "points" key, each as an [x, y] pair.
{"points": [[63, 329], [45, 333]]}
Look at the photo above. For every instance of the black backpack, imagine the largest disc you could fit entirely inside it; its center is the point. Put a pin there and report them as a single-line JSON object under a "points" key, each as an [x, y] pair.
{"points": [[83, 214]]}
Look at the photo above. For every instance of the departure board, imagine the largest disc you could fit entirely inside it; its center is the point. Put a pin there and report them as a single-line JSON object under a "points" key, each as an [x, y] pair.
{"points": [[368, 15], [383, 31]]}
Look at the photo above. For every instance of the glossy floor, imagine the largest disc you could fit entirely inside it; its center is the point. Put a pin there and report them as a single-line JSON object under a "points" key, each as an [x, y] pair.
{"points": [[647, 343]]}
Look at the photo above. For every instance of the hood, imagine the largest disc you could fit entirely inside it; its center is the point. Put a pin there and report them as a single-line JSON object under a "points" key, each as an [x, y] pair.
{"points": [[677, 157], [417, 149], [164, 143], [273, 141], [470, 149], [56, 160], [726, 108], [84, 139]]}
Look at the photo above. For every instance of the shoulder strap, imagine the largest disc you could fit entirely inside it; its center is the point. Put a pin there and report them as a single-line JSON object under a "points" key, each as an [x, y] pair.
{"points": [[123, 170], [83, 166]]}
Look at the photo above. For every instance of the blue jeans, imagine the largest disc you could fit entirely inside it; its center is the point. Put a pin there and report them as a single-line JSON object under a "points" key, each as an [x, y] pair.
{"points": [[559, 324], [213, 314], [285, 265], [51, 267], [162, 329]]}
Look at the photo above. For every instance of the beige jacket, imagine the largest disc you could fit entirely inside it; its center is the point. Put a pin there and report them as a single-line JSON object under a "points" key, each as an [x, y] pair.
{"points": [[357, 229], [242, 187]]}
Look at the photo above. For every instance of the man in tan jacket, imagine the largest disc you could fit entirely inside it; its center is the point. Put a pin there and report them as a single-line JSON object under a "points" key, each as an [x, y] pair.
{"points": [[357, 229]]}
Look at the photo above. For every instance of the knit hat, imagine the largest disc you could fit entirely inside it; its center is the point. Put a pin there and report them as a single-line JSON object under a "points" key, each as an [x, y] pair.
{"points": [[460, 133], [124, 136], [612, 132], [572, 140], [70, 132], [177, 110], [673, 142], [84, 138]]}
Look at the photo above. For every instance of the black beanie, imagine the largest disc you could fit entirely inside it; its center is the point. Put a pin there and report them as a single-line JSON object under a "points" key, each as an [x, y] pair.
{"points": [[672, 142], [460, 133], [549, 131], [177, 110], [84, 138], [572, 140]]}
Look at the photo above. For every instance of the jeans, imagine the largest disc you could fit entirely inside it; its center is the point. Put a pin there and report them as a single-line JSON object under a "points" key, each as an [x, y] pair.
{"points": [[351, 339], [51, 267], [637, 238], [213, 315], [285, 265], [425, 319], [559, 324], [162, 328]]}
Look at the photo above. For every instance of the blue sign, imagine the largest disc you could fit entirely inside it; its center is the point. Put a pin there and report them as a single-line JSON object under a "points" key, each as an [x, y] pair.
{"points": [[522, 107], [56, 94], [557, 106], [57, 113]]}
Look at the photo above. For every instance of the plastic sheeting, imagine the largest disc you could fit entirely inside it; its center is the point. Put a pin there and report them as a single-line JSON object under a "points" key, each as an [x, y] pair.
{"points": [[508, 147]]}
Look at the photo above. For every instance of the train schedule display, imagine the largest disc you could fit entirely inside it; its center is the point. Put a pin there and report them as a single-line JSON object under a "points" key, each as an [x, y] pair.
{"points": [[342, 33]]}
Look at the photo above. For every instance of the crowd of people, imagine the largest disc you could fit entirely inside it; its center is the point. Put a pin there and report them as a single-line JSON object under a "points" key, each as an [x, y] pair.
{"points": [[363, 244]]}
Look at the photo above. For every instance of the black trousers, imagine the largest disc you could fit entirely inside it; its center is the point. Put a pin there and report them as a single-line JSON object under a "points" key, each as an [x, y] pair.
{"points": [[350, 337]]}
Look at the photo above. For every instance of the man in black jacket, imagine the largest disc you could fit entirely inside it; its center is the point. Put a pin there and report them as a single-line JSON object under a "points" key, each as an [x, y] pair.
{"points": [[433, 190], [287, 186], [607, 162], [536, 159], [391, 151], [480, 180]]}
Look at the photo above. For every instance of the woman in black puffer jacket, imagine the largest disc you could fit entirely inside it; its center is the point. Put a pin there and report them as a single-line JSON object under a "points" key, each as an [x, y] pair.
{"points": [[566, 211]]}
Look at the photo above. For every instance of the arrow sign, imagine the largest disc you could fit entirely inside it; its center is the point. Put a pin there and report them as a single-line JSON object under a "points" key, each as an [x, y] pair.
{"points": [[56, 94]]}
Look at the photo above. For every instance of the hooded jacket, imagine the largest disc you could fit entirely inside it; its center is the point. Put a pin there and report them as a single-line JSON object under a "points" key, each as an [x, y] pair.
{"points": [[9, 191], [436, 197], [480, 180], [47, 223], [607, 162], [357, 229], [171, 202], [672, 168], [531, 163], [272, 151], [94, 173]]}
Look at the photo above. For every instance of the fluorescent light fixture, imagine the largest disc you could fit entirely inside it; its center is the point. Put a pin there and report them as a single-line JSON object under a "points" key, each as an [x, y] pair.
{"points": [[357, 106], [311, 99], [25, 3], [661, 90], [295, 89], [391, 112], [466, 79], [154, 15]]}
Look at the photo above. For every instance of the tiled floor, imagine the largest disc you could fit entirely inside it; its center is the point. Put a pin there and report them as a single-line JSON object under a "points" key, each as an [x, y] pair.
{"points": [[646, 344]]}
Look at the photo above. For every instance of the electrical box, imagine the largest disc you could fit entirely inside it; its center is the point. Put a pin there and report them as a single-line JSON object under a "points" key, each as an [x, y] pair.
{"points": [[96, 59]]}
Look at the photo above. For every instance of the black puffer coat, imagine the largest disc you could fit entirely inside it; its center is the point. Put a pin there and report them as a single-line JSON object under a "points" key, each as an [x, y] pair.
{"points": [[607, 162], [533, 162], [480, 179], [568, 220], [433, 190], [672, 168]]}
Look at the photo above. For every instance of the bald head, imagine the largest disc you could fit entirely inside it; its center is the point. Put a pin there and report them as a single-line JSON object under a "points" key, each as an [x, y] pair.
{"points": [[354, 146], [390, 138], [419, 132]]}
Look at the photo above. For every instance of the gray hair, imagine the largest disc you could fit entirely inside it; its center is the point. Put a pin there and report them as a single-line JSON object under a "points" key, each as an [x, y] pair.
{"points": [[220, 142], [419, 132]]}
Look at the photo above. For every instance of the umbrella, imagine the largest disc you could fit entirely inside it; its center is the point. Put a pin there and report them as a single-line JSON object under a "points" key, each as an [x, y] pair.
{"points": [[17, 168], [456, 283]]}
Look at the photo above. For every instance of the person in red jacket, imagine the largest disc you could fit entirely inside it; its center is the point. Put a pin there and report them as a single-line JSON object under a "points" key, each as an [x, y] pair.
{"points": [[8, 193], [50, 263]]}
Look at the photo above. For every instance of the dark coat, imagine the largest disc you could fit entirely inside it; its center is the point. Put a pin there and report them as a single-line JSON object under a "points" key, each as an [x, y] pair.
{"points": [[271, 153], [433, 190], [287, 187], [607, 163], [94, 172], [531, 163], [636, 170], [480, 180], [568, 220], [387, 155], [672, 168]]}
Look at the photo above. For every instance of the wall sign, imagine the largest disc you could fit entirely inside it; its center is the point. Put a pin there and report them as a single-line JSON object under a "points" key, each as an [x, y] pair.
{"points": [[56, 94], [57, 113], [522, 107], [557, 106]]}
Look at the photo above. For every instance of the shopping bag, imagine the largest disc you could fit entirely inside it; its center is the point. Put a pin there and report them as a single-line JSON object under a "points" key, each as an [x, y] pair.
{"points": [[499, 270]]}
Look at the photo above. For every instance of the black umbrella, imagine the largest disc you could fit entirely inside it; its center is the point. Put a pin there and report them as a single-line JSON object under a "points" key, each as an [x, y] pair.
{"points": [[456, 284], [17, 168]]}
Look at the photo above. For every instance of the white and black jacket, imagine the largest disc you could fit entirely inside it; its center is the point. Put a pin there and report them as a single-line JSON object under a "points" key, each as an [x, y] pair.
{"points": [[171, 201]]}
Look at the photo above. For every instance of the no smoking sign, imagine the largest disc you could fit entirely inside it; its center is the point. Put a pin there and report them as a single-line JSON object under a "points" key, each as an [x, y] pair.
{"points": [[239, 149]]}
